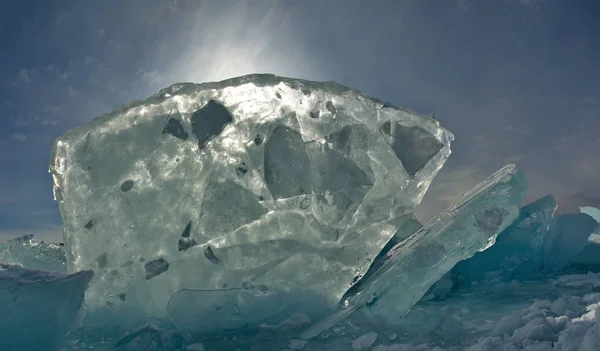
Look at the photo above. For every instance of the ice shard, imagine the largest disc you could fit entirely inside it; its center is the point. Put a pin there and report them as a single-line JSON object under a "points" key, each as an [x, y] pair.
{"points": [[33, 254], [414, 265], [38, 308], [518, 250], [223, 204], [568, 236], [592, 212], [588, 259], [537, 243]]}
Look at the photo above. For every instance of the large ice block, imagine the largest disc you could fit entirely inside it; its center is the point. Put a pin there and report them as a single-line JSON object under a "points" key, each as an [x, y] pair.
{"points": [[32, 254], [227, 203], [38, 308], [459, 232]]}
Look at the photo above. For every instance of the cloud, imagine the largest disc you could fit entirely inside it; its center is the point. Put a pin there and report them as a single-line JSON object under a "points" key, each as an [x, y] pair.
{"points": [[65, 75], [231, 39], [18, 137], [150, 77], [51, 109], [529, 2], [23, 76]]}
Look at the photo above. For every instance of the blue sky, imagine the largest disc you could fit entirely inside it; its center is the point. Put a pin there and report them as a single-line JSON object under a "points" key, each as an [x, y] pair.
{"points": [[515, 80]]}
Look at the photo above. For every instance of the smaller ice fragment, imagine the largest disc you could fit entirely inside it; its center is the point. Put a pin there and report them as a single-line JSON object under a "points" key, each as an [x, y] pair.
{"points": [[37, 308], [537, 243], [33, 254], [588, 259], [592, 212], [568, 236]]}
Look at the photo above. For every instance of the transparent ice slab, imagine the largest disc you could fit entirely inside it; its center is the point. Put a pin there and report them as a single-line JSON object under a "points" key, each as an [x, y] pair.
{"points": [[415, 264]]}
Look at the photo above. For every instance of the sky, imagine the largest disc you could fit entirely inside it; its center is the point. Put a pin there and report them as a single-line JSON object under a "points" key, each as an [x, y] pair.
{"points": [[516, 81]]}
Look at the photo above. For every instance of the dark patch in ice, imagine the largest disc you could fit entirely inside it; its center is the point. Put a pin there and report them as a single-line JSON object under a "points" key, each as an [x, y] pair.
{"points": [[89, 225], [209, 121], [258, 139], [187, 230], [142, 259], [87, 142], [175, 128], [228, 206], [127, 185], [314, 114], [155, 267], [241, 170], [186, 243], [121, 296], [286, 164], [278, 95], [413, 146], [208, 252], [489, 221], [102, 260], [334, 171], [126, 264], [330, 107], [305, 202]]}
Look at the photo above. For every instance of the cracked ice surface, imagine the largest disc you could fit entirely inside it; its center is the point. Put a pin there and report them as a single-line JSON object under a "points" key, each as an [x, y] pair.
{"points": [[223, 204]]}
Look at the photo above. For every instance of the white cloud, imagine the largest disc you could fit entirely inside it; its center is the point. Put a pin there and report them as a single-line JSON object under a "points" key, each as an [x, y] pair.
{"points": [[65, 75], [19, 136], [23, 76], [150, 77], [51, 109], [229, 41]]}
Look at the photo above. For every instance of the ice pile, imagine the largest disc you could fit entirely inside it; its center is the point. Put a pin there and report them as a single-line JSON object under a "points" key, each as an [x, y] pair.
{"points": [[272, 213]]}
